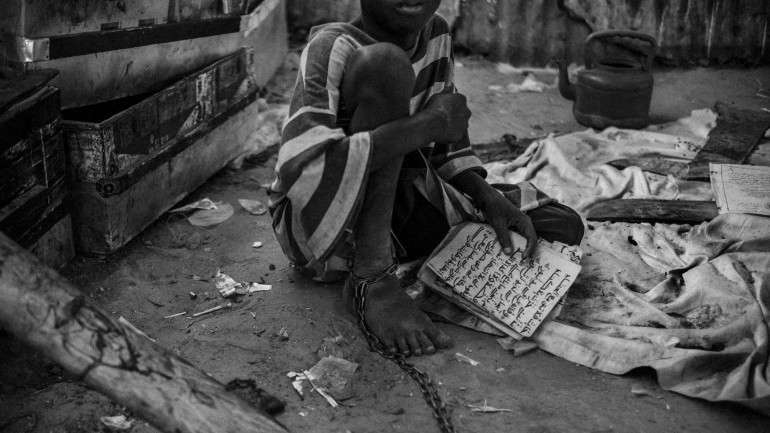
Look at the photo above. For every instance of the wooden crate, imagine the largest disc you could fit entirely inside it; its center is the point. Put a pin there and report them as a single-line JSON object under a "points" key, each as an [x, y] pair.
{"points": [[106, 141], [33, 188], [103, 65], [136, 160], [104, 222]]}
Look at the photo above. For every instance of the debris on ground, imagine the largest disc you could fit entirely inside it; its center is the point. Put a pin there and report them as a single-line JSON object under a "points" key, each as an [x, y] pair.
{"points": [[517, 347], [228, 287], [485, 408], [330, 378], [465, 359], [283, 334], [202, 204], [117, 422], [257, 245], [214, 309], [212, 217], [508, 69], [332, 346], [530, 84], [171, 316], [248, 390], [123, 321], [254, 207], [642, 391], [193, 295]]}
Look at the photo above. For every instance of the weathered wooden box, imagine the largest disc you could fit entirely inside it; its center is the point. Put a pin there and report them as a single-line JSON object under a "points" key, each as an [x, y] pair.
{"points": [[33, 188], [143, 46], [131, 160], [108, 140]]}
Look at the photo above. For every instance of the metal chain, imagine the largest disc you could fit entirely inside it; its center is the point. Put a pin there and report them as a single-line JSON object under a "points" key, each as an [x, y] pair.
{"points": [[426, 384]]}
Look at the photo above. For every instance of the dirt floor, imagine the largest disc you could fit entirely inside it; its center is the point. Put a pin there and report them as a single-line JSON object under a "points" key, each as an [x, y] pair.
{"points": [[153, 276]]}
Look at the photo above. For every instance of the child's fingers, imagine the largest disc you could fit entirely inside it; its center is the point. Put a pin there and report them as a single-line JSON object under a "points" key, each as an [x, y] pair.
{"points": [[503, 236]]}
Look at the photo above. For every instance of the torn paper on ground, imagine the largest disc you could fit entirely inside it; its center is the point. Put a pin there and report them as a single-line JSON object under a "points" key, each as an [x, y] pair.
{"points": [[228, 287], [211, 217], [330, 378]]}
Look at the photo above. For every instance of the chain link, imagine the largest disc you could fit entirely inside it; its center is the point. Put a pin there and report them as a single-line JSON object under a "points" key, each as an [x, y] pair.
{"points": [[423, 380]]}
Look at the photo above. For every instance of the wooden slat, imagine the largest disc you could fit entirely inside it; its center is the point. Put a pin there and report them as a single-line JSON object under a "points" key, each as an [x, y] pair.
{"points": [[14, 88], [732, 141], [736, 135], [653, 211]]}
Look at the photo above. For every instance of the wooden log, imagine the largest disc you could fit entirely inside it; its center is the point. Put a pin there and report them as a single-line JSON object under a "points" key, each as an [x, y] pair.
{"points": [[42, 309], [653, 211]]}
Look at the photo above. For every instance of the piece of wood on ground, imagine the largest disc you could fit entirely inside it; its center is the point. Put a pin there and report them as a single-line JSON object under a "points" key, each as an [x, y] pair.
{"points": [[42, 309], [648, 210], [732, 141]]}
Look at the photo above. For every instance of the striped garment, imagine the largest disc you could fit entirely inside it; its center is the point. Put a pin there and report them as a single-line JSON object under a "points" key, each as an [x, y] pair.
{"points": [[322, 170]]}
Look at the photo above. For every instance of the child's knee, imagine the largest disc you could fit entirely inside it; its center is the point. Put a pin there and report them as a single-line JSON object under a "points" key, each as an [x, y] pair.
{"points": [[376, 71]]}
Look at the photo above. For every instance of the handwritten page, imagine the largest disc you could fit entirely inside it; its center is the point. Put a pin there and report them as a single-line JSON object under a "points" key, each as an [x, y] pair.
{"points": [[741, 188], [519, 294]]}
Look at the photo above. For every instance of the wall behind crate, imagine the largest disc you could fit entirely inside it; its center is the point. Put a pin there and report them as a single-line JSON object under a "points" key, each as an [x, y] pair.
{"points": [[532, 32]]}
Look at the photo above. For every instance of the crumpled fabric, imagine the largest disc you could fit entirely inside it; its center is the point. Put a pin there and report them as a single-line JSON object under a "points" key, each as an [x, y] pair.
{"points": [[572, 168], [691, 304]]}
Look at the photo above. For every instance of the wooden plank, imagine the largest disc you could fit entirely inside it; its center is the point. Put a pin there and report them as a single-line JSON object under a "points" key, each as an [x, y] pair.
{"points": [[736, 135], [27, 116], [732, 141], [43, 310], [81, 44], [653, 211], [55, 247], [14, 88], [91, 79]]}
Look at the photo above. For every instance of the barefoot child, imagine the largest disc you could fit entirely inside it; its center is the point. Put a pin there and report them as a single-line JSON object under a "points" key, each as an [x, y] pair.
{"points": [[376, 164]]}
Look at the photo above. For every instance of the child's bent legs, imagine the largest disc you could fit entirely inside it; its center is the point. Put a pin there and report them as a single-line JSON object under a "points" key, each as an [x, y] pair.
{"points": [[378, 84]]}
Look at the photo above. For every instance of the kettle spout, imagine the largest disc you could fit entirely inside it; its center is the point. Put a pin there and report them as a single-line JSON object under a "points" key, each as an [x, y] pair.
{"points": [[566, 88]]}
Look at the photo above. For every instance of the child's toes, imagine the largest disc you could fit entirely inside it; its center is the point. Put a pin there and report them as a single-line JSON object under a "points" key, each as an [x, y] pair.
{"points": [[427, 346], [439, 338], [414, 343], [403, 346]]}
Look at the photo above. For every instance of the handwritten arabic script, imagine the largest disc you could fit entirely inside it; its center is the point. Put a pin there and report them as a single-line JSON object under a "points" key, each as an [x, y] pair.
{"points": [[520, 293]]}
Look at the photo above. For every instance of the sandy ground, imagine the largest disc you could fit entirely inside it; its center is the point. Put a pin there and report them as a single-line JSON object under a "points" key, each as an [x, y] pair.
{"points": [[153, 275]]}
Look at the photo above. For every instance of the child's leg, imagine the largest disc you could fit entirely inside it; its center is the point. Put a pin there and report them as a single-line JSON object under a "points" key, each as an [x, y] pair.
{"points": [[378, 84]]}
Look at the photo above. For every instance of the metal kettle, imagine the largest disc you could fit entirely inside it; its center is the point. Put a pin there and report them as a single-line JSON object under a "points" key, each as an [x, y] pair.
{"points": [[615, 88]]}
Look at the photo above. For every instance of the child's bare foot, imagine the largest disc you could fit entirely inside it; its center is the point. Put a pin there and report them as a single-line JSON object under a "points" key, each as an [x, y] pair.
{"points": [[394, 317]]}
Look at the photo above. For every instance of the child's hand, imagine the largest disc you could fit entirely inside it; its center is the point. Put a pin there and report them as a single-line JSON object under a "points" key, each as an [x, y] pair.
{"points": [[502, 215], [451, 109]]}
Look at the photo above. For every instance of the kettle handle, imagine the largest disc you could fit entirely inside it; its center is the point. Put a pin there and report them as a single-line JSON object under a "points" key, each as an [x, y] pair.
{"points": [[606, 34]]}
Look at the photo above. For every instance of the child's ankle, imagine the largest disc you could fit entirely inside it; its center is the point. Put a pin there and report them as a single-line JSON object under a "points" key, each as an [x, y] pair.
{"points": [[372, 269]]}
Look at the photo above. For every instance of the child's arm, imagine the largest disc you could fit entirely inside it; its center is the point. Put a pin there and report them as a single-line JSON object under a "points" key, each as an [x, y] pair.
{"points": [[444, 120]]}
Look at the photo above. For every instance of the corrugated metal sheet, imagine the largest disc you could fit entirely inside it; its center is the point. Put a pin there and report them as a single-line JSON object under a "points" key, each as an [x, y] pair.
{"points": [[303, 14], [531, 32], [688, 31], [521, 32]]}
